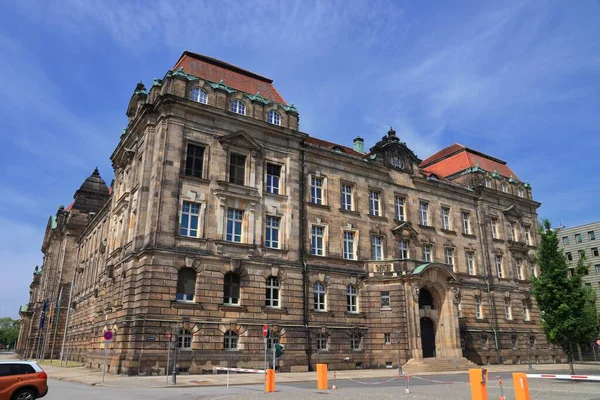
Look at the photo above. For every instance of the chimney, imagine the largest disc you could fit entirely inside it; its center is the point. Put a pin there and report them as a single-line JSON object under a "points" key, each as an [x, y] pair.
{"points": [[359, 144]]}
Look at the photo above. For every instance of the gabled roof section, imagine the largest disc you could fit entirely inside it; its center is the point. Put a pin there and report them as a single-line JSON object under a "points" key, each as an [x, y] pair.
{"points": [[333, 146], [513, 211], [214, 70], [241, 136], [458, 158]]}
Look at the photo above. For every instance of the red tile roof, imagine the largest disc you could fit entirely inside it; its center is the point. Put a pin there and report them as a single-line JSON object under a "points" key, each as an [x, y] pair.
{"points": [[330, 145], [235, 77], [69, 207], [441, 154]]}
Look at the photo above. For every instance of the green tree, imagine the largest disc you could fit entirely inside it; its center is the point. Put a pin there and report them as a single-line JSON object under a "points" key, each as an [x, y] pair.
{"points": [[568, 308], [9, 331]]}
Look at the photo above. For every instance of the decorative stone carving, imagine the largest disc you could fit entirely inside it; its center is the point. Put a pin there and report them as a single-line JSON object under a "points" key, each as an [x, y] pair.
{"points": [[416, 291], [456, 295]]}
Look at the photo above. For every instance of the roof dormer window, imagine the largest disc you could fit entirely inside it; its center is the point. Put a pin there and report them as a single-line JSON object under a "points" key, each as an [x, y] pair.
{"points": [[273, 118], [199, 95], [238, 107]]}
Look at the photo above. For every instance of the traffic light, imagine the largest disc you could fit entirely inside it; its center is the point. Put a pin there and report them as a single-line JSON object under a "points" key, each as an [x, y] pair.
{"points": [[278, 350]]}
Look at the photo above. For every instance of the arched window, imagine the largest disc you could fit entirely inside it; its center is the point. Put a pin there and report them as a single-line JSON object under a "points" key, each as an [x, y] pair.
{"points": [[230, 341], [273, 118], [352, 299], [321, 342], [355, 342], [184, 339], [319, 296], [199, 95], [505, 188], [238, 107], [186, 284], [231, 289], [272, 292]]}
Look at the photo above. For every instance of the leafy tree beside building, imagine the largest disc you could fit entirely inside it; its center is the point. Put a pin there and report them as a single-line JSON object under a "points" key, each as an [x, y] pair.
{"points": [[9, 331]]}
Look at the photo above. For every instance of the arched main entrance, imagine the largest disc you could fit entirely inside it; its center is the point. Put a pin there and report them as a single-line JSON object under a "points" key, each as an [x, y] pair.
{"points": [[427, 337]]}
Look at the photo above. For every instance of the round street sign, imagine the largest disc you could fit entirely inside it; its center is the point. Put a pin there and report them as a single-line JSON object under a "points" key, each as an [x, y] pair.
{"points": [[108, 335], [598, 342], [265, 330]]}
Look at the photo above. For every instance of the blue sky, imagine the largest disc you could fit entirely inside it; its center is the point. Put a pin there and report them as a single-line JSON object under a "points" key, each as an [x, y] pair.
{"points": [[518, 80]]}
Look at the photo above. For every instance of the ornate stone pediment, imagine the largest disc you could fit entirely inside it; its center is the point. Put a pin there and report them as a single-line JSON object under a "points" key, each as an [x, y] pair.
{"points": [[513, 211], [393, 153], [241, 138], [405, 231]]}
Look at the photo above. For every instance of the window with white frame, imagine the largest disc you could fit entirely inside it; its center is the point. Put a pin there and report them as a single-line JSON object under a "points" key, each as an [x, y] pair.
{"points": [[199, 95], [316, 190], [525, 310], [498, 260], [272, 232], [400, 212], [459, 309], [355, 341], [403, 245], [272, 340], [352, 299], [273, 178], [231, 289], [186, 284], [494, 222], [478, 313], [376, 247], [446, 218], [527, 235], [317, 238], [532, 269], [385, 299], [578, 238], [387, 338], [230, 341], [321, 342], [512, 231], [507, 309], [375, 203], [470, 256], [318, 296], [488, 183], [565, 240], [272, 292], [184, 340], [520, 192], [234, 225], [348, 250], [592, 235], [190, 215], [273, 118], [466, 219], [423, 217], [449, 253], [519, 269], [427, 252], [505, 188], [346, 197], [238, 107]]}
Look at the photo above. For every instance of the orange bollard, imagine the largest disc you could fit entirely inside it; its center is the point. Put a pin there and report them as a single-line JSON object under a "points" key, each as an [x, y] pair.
{"points": [[322, 377], [478, 379], [270, 384], [521, 386]]}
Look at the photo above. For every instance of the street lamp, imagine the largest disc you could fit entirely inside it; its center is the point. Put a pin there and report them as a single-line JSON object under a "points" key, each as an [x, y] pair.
{"points": [[399, 356], [175, 355]]}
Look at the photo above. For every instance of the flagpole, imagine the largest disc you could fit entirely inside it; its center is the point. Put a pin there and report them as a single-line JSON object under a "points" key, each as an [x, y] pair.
{"points": [[62, 350], [56, 320]]}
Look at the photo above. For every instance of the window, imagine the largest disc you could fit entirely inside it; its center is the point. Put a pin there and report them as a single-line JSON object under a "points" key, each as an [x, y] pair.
{"points": [[385, 300], [321, 342], [238, 107], [190, 214], [569, 256], [272, 232], [505, 188], [403, 249], [525, 311], [459, 309], [520, 192], [466, 217], [316, 246], [319, 296], [346, 197], [446, 218], [316, 190], [591, 235], [527, 235], [184, 339], [237, 169], [387, 338], [352, 299], [234, 225], [272, 340], [273, 118], [507, 309], [427, 252], [199, 95], [512, 231], [186, 284], [400, 215], [578, 238], [194, 161], [376, 247], [595, 252], [532, 269], [495, 228], [518, 267], [230, 341], [470, 262], [231, 289], [581, 253], [449, 253], [566, 240], [348, 251], [355, 342], [374, 203], [478, 313], [272, 292], [488, 183], [273, 178], [499, 266], [423, 213]]}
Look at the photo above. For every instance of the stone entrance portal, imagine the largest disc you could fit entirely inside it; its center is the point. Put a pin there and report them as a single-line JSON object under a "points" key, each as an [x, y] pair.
{"points": [[427, 337]]}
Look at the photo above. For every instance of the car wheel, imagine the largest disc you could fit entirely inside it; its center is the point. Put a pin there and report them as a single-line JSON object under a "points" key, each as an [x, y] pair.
{"points": [[25, 394]]}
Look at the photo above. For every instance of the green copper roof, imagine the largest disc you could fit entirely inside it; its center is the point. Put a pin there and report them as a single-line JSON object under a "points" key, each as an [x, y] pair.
{"points": [[53, 222], [221, 85], [419, 269], [496, 175], [258, 98], [23, 308], [289, 108], [513, 180], [157, 82], [181, 73], [527, 185]]}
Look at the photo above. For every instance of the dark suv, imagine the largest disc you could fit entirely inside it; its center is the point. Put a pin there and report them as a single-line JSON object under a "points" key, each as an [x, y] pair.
{"points": [[22, 380]]}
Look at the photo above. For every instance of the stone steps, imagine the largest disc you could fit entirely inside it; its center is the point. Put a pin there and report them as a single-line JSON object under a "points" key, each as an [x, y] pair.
{"points": [[437, 364]]}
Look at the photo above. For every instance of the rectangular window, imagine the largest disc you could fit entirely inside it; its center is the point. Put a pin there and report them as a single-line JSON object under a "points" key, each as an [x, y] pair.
{"points": [[317, 234], [595, 252], [449, 253], [591, 235], [459, 309], [321, 342], [495, 228], [400, 214], [597, 266], [355, 342], [348, 245], [578, 238], [478, 313], [532, 269], [316, 190], [194, 161], [403, 249], [466, 218], [234, 225], [376, 247], [190, 214], [470, 256], [374, 203], [237, 169], [427, 252], [581, 253], [566, 240], [519, 269], [273, 178], [423, 218], [446, 218], [272, 232], [569, 256], [525, 311], [507, 309], [346, 197], [498, 260], [385, 300], [528, 235], [512, 231], [387, 338]]}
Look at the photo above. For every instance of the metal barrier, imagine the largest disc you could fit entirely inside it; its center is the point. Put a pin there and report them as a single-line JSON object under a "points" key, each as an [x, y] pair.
{"points": [[568, 377], [252, 371]]}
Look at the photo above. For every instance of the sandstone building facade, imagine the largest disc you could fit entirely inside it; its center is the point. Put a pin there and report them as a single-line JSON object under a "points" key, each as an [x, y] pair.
{"points": [[224, 216]]}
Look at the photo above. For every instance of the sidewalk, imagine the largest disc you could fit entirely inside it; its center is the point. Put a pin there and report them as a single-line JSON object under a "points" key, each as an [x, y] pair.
{"points": [[94, 377]]}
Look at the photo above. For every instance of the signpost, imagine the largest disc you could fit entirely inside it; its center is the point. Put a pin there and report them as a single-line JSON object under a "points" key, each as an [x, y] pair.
{"points": [[266, 335], [170, 337], [108, 337]]}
